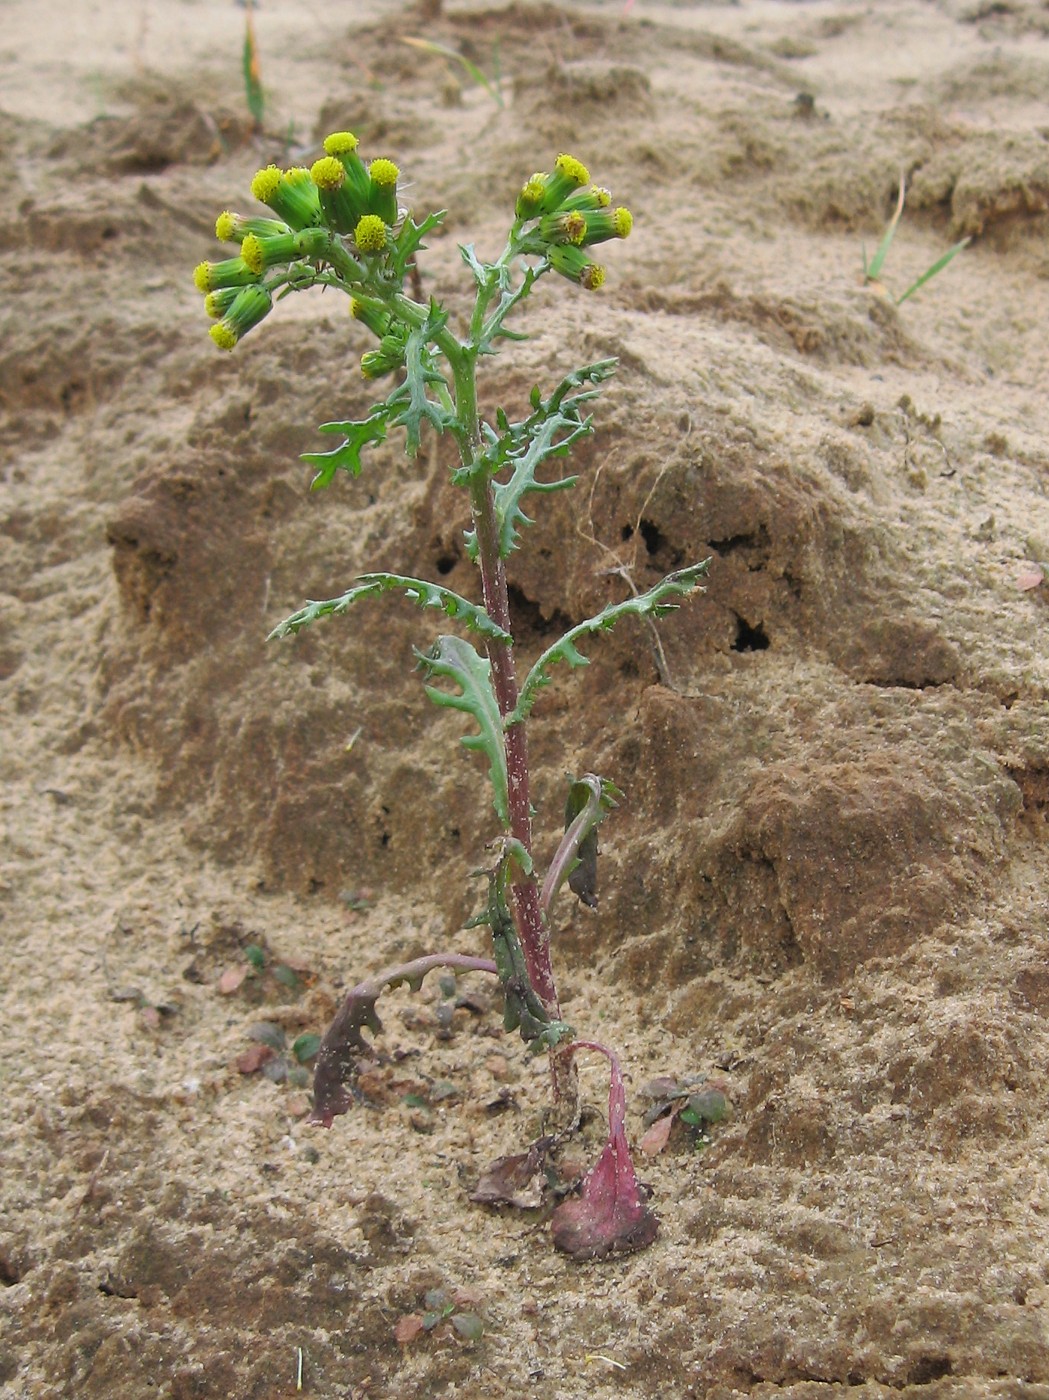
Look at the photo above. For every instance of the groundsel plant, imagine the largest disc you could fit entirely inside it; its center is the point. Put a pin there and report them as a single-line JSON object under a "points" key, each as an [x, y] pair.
{"points": [[340, 224]]}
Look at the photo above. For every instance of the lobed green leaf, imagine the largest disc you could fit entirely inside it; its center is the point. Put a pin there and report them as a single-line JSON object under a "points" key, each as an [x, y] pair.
{"points": [[654, 603], [347, 457], [455, 660], [416, 590]]}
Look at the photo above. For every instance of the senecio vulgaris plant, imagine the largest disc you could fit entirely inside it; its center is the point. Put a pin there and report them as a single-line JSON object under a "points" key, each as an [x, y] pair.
{"points": [[340, 224]]}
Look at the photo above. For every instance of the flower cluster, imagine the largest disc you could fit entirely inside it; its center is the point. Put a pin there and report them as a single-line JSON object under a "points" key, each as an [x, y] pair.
{"points": [[339, 196], [568, 214], [338, 223]]}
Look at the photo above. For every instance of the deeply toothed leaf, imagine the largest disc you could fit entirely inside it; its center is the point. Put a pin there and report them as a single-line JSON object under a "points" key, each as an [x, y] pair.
{"points": [[455, 660], [654, 603], [427, 595]]}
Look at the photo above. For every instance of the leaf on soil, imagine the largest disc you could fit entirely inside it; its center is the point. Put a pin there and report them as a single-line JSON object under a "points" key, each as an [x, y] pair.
{"points": [[305, 1047], [609, 1215], [408, 1328], [232, 979], [268, 1034], [1030, 578], [469, 1326], [518, 1180], [250, 1061], [338, 1054], [657, 1137]]}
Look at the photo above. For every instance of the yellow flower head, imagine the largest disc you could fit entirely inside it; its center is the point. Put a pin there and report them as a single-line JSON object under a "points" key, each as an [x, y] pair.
{"points": [[328, 173], [225, 226], [370, 234], [383, 171], [265, 183], [223, 336], [572, 169], [340, 143]]}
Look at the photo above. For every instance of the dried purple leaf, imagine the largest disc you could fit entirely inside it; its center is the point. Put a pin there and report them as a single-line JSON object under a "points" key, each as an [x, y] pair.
{"points": [[518, 1180], [609, 1215], [344, 1045]]}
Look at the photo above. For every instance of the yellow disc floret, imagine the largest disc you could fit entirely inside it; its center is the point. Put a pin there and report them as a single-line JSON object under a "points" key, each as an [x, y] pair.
{"points": [[383, 171], [592, 277], [251, 252], [202, 277], [370, 234], [623, 221], [225, 225], [328, 173], [339, 143], [265, 182], [223, 336], [572, 169]]}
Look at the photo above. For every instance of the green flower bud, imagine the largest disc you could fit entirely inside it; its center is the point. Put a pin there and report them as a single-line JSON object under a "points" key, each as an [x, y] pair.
{"points": [[370, 234], [603, 224], [341, 209], [253, 304], [261, 254], [230, 272], [383, 195], [216, 304], [573, 263], [340, 143], [343, 146], [563, 228], [370, 314], [289, 193], [595, 197], [568, 175], [529, 201], [234, 228]]}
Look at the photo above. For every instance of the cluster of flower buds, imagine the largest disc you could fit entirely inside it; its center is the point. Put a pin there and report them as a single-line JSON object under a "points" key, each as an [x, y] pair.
{"points": [[338, 195], [568, 215]]}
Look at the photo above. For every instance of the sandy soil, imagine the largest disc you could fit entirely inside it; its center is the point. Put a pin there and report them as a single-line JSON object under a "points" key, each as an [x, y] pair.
{"points": [[826, 887]]}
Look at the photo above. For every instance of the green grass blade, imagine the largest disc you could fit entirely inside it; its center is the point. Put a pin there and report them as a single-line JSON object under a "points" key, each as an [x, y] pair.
{"points": [[872, 270], [930, 272]]}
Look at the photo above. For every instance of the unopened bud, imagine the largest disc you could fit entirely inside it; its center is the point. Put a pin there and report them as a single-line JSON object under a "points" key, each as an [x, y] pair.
{"points": [[253, 304], [234, 228], [230, 272], [603, 224], [383, 196], [289, 193], [573, 263]]}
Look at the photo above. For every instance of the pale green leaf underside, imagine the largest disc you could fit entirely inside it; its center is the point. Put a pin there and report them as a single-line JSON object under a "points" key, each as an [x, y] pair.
{"points": [[416, 590], [455, 660], [654, 603]]}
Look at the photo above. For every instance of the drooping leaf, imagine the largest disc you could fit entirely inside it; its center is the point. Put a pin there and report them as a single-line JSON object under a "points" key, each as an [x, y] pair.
{"points": [[347, 457], [653, 603], [427, 595], [455, 660], [344, 1044], [590, 799], [609, 1215]]}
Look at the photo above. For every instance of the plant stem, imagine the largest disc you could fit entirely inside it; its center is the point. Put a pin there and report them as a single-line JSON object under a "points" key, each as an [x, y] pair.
{"points": [[524, 891]]}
